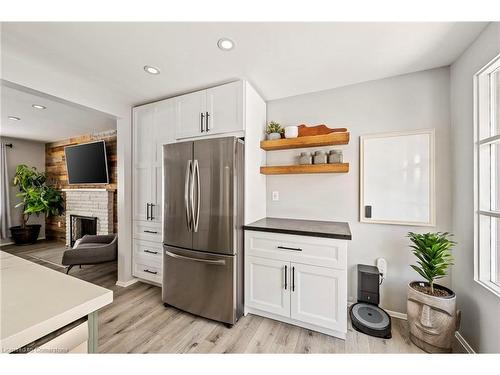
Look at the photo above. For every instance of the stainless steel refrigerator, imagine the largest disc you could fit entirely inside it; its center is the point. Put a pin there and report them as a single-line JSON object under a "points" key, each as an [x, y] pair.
{"points": [[202, 227]]}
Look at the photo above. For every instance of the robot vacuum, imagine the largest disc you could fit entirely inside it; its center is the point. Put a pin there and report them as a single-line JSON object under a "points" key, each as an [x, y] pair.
{"points": [[371, 320], [366, 316]]}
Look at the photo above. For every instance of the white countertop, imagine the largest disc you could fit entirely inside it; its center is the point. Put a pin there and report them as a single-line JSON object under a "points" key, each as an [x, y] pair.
{"points": [[36, 300]]}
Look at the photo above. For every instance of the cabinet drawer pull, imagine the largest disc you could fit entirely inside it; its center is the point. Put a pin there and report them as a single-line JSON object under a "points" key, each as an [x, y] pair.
{"points": [[152, 272], [151, 252], [290, 248], [150, 231], [286, 271], [293, 279]]}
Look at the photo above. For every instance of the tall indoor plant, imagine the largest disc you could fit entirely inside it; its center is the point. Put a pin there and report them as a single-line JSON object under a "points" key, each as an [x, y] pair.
{"points": [[36, 197], [431, 308]]}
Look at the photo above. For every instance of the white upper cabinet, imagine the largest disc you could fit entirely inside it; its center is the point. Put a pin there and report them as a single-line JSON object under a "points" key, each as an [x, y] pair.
{"points": [[190, 114], [225, 109], [216, 110], [164, 133], [143, 154], [154, 126], [143, 134], [164, 126]]}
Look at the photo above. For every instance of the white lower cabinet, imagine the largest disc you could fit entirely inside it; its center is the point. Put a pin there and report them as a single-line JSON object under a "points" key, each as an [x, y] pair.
{"points": [[317, 296], [282, 286], [265, 280], [148, 260]]}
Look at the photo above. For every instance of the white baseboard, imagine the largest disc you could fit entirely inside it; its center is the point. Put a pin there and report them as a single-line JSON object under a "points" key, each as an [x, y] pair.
{"points": [[464, 343], [396, 314], [125, 284]]}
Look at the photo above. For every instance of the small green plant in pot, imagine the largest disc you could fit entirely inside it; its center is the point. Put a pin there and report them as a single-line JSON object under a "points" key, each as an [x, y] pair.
{"points": [[274, 130], [36, 197], [431, 308]]}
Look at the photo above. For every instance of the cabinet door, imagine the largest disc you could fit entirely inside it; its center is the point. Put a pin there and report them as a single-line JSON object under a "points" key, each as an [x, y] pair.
{"points": [[164, 133], [143, 139], [189, 108], [225, 108], [143, 153], [267, 285], [318, 296]]}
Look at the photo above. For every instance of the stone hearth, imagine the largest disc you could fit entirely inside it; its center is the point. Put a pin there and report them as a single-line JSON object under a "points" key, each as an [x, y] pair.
{"points": [[90, 202]]}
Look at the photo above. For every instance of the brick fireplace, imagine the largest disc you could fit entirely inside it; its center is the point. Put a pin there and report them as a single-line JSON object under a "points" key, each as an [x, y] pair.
{"points": [[94, 203]]}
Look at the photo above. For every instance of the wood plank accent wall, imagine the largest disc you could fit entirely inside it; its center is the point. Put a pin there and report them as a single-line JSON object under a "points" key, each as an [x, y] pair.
{"points": [[55, 168]]}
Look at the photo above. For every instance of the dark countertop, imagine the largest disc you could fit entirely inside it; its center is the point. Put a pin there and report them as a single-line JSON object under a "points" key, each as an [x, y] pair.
{"points": [[313, 228]]}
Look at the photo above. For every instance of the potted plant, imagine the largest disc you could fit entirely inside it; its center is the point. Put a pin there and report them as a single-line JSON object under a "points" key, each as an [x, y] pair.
{"points": [[273, 130], [36, 198], [431, 308]]}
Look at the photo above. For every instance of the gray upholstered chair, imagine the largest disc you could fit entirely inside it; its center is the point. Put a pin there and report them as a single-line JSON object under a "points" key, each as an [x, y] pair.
{"points": [[91, 249]]}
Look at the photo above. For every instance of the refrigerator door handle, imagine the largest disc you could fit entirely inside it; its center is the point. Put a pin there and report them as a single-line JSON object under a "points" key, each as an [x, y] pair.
{"points": [[208, 261], [196, 218], [186, 193], [191, 196]]}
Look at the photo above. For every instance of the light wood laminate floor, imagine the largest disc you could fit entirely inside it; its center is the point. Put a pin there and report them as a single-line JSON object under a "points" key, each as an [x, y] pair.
{"points": [[137, 322]]}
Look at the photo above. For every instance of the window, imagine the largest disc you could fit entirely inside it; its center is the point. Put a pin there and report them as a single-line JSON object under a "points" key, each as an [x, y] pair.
{"points": [[487, 174]]}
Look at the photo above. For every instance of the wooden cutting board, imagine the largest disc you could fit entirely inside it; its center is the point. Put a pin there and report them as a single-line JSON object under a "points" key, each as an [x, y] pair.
{"points": [[305, 131]]}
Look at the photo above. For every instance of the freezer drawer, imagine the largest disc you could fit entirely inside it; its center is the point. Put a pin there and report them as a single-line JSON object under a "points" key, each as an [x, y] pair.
{"points": [[200, 283]]}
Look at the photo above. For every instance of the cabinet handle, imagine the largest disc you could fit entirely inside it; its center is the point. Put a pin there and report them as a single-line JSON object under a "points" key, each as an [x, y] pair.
{"points": [[207, 121], [152, 272], [290, 248], [147, 211], [286, 284], [150, 231], [151, 252], [201, 122], [151, 205], [293, 279]]}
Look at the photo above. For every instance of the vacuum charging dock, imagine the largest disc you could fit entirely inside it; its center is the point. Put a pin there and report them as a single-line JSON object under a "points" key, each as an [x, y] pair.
{"points": [[366, 316]]}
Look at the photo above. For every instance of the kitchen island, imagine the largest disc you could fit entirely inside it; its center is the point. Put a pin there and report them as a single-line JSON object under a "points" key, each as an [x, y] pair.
{"points": [[43, 310]]}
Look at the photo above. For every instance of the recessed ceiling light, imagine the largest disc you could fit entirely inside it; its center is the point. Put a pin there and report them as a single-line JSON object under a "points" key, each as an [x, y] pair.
{"points": [[151, 69], [39, 106], [14, 118], [225, 44]]}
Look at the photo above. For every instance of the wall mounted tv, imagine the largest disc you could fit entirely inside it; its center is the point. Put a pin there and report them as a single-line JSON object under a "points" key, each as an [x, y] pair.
{"points": [[86, 163]]}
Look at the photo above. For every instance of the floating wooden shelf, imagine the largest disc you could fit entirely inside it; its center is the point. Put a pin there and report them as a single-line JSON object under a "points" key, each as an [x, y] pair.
{"points": [[341, 138], [302, 169]]}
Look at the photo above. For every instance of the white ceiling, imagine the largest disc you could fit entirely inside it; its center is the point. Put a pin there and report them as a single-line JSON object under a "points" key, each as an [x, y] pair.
{"points": [[279, 59], [59, 121]]}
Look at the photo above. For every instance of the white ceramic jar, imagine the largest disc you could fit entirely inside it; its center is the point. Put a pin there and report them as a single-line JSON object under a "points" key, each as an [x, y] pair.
{"points": [[291, 132]]}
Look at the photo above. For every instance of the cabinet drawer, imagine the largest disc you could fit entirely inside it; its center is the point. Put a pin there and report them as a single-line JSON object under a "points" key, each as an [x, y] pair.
{"points": [[317, 251], [147, 271], [148, 231], [150, 252]]}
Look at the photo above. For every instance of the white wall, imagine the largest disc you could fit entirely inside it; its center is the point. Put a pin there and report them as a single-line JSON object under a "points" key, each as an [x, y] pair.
{"points": [[480, 308], [32, 154], [413, 101], [31, 70]]}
